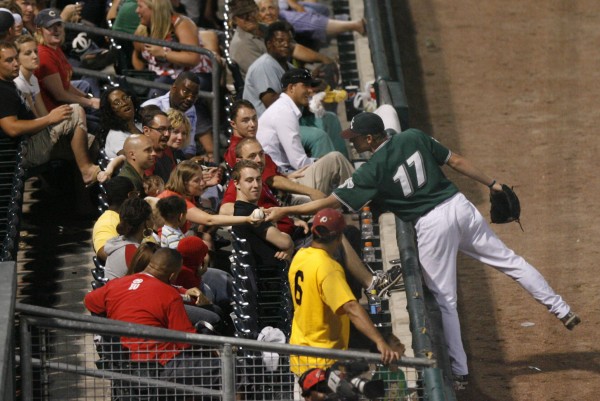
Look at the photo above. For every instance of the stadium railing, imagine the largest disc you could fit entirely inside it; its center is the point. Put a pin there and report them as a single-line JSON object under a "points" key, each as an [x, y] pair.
{"points": [[83, 363]]}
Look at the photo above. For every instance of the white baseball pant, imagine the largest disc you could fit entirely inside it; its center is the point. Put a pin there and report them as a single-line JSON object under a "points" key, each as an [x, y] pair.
{"points": [[456, 225]]}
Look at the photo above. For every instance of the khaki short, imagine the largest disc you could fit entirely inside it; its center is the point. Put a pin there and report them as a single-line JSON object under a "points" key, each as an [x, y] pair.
{"points": [[54, 142]]}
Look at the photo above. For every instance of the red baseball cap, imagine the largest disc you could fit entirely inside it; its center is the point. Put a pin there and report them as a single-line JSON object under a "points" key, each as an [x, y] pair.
{"points": [[192, 250], [311, 378], [328, 223]]}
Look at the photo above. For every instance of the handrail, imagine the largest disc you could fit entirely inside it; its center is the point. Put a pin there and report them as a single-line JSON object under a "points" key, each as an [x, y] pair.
{"points": [[8, 287], [47, 317], [215, 95]]}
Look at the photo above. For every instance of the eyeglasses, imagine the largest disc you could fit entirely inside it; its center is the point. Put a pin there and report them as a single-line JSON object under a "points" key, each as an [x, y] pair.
{"points": [[122, 101], [162, 130]]}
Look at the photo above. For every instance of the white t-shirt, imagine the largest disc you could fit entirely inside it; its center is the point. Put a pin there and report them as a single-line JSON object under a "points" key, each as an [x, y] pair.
{"points": [[115, 140], [27, 88]]}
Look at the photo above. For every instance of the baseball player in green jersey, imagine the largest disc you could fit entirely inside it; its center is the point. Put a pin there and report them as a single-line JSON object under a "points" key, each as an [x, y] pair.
{"points": [[404, 176]]}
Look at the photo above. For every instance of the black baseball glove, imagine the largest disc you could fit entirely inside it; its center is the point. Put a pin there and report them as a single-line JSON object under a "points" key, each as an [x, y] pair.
{"points": [[506, 207]]}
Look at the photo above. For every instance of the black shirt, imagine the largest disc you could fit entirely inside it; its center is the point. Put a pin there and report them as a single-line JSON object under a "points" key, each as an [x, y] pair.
{"points": [[13, 104], [263, 252]]}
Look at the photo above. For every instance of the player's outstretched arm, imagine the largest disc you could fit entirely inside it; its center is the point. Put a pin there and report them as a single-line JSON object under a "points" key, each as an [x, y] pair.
{"points": [[465, 167], [310, 208]]}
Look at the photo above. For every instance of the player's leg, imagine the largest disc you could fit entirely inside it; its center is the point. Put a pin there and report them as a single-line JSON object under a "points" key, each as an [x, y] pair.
{"points": [[437, 239], [480, 242]]}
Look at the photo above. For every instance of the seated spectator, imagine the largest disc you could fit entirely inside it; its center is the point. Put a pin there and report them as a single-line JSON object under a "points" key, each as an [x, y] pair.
{"points": [[119, 115], [153, 185], [158, 20], [141, 258], [193, 251], [173, 210], [60, 134], [269, 245], [27, 83], [279, 134], [157, 127], [27, 14], [248, 42], [7, 22], [316, 27], [179, 135], [118, 189], [54, 72], [182, 96], [134, 222], [263, 86], [244, 124], [148, 298], [140, 155]]}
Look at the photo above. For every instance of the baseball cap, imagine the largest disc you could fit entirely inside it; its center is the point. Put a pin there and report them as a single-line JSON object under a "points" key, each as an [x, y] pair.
{"points": [[363, 124], [192, 250], [296, 75], [328, 223], [241, 7], [47, 17], [6, 20], [311, 378]]}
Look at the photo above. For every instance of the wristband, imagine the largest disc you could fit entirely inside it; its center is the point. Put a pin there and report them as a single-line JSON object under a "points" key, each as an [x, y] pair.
{"points": [[492, 184]]}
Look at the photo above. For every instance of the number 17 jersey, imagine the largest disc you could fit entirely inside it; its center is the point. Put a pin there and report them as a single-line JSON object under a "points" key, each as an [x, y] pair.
{"points": [[403, 176]]}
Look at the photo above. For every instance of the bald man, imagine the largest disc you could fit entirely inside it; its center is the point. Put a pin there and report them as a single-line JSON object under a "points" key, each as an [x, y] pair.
{"points": [[140, 155]]}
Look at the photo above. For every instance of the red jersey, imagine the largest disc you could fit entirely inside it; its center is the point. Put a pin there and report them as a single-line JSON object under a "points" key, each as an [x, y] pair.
{"points": [[142, 298], [269, 170], [52, 61]]}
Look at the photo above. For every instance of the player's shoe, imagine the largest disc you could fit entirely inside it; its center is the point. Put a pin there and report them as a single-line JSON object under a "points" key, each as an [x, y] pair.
{"points": [[570, 320], [460, 381], [387, 281]]}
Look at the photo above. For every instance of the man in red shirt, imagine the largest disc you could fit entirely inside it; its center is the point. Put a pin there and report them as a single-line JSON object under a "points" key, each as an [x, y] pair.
{"points": [[244, 123], [149, 298]]}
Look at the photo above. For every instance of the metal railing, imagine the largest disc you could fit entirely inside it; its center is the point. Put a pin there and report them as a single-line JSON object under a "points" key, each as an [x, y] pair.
{"points": [[214, 96], [69, 356]]}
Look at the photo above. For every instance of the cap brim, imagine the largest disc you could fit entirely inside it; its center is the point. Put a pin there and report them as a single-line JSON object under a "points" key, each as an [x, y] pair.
{"points": [[315, 82], [48, 24], [349, 134]]}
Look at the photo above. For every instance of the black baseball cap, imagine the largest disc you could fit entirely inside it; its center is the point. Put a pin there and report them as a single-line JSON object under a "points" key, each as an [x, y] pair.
{"points": [[363, 124], [47, 17], [296, 75], [7, 20]]}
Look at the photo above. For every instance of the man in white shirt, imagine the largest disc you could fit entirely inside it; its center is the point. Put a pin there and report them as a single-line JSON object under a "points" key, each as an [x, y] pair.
{"points": [[279, 135]]}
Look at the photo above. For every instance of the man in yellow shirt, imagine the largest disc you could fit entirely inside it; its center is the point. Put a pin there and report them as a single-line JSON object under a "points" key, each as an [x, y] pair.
{"points": [[323, 303]]}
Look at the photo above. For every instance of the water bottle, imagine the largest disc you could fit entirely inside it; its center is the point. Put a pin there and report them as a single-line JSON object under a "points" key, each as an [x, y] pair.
{"points": [[374, 303], [369, 252], [366, 213], [366, 229]]}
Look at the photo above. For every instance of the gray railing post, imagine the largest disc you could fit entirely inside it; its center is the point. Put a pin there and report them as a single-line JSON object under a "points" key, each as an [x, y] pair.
{"points": [[26, 365], [228, 369]]}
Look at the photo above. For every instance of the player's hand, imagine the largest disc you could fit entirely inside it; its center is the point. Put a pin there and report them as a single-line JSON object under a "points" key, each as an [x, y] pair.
{"points": [[298, 173], [252, 219], [60, 113], [301, 223], [387, 354], [274, 213]]}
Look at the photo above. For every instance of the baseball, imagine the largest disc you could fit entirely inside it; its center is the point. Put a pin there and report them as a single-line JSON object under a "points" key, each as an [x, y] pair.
{"points": [[258, 214]]}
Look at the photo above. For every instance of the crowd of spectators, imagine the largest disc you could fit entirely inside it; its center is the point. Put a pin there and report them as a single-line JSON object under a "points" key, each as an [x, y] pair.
{"points": [[161, 185]]}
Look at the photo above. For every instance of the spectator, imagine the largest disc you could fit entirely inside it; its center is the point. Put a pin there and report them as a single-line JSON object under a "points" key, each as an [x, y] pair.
{"points": [[323, 303], [153, 185], [141, 258], [54, 72], [118, 189], [173, 211], [244, 124], [27, 82], [313, 385], [157, 127], [119, 115], [269, 245], [316, 27], [279, 134], [27, 14], [248, 42], [187, 182], [193, 251], [60, 134], [134, 222], [140, 156], [182, 96], [263, 87], [159, 21], [178, 138], [7, 25], [148, 298]]}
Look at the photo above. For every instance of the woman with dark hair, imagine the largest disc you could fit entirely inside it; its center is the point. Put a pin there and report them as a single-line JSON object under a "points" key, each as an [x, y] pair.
{"points": [[135, 218], [119, 115]]}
